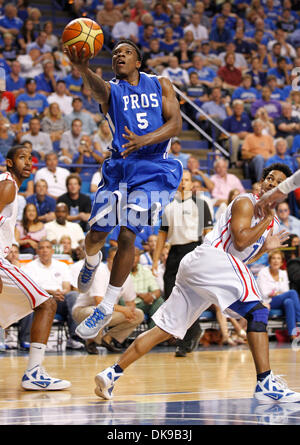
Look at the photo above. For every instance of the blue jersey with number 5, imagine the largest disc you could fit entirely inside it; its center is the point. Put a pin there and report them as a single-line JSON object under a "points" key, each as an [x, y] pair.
{"points": [[139, 108]]}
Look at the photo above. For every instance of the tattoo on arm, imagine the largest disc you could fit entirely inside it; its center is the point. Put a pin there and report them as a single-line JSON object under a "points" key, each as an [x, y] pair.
{"points": [[100, 88]]}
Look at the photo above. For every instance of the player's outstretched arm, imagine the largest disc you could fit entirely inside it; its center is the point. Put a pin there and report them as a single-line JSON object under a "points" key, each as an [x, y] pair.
{"points": [[242, 233], [99, 87], [171, 128]]}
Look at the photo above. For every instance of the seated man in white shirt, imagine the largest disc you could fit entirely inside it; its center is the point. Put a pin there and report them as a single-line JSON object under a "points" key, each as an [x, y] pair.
{"points": [[54, 276], [125, 28], [61, 97], [31, 63], [54, 176], [61, 226], [124, 318]]}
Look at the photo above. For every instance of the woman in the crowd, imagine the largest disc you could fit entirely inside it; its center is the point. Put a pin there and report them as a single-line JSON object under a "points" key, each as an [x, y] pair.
{"points": [[30, 230], [274, 286], [35, 15], [66, 243], [27, 35]]}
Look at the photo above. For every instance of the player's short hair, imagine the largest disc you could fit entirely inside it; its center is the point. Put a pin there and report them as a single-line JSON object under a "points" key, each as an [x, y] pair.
{"points": [[13, 151], [131, 43], [277, 166]]}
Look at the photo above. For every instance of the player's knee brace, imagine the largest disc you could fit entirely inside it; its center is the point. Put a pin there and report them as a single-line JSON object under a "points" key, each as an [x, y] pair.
{"points": [[257, 318]]}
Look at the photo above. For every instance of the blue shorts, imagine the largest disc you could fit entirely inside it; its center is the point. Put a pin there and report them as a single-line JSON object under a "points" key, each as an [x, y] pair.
{"points": [[134, 191]]}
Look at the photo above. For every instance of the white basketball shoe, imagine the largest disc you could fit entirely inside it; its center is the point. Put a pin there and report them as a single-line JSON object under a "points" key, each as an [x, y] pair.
{"points": [[274, 389], [105, 382], [37, 379]]}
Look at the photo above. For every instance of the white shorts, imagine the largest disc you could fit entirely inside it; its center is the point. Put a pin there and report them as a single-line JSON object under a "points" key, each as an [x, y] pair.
{"points": [[205, 276], [20, 294]]}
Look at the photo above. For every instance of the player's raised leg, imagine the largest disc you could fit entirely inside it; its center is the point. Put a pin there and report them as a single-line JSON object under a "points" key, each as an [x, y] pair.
{"points": [[94, 242], [121, 268]]}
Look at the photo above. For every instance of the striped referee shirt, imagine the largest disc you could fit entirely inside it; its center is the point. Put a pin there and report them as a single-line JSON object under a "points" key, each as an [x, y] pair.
{"points": [[184, 220]]}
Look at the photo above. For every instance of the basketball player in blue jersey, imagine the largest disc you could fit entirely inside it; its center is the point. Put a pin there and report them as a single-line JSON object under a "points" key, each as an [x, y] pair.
{"points": [[139, 179]]}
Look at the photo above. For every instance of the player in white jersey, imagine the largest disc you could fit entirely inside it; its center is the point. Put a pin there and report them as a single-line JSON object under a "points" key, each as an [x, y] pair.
{"points": [[19, 294], [216, 273]]}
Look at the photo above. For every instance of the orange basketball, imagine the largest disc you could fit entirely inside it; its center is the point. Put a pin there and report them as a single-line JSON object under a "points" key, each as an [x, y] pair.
{"points": [[83, 33]]}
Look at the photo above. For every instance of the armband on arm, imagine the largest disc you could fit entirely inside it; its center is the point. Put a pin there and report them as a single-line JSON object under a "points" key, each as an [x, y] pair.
{"points": [[290, 183]]}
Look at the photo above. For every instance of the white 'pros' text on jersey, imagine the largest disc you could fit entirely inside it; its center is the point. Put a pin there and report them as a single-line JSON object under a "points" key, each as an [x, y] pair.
{"points": [[139, 108]]}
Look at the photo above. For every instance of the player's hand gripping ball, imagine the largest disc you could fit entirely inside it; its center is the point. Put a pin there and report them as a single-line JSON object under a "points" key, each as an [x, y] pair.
{"points": [[83, 33]]}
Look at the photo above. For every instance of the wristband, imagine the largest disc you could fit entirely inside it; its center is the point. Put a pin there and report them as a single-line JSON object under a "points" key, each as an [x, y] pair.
{"points": [[286, 186]]}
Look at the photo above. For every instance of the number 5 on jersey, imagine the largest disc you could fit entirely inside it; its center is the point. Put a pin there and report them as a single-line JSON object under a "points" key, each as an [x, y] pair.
{"points": [[143, 122]]}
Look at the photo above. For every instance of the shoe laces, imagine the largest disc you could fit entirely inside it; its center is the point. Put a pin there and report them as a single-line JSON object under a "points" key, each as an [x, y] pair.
{"points": [[86, 274], [93, 319], [280, 381], [42, 372]]}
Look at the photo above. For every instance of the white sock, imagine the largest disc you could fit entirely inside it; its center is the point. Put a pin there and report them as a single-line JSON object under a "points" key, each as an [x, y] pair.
{"points": [[110, 298], [36, 355], [93, 260]]}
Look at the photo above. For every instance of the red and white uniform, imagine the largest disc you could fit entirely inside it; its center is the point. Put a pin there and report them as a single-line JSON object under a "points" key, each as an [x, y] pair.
{"points": [[20, 294], [213, 273], [221, 237]]}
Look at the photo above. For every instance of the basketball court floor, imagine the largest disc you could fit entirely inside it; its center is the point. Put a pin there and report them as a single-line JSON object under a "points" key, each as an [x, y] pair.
{"points": [[212, 386]]}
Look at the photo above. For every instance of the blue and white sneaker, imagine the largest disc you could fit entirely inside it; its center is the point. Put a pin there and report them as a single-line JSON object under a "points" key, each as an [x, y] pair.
{"points": [[274, 389], [86, 275], [37, 379], [105, 381], [90, 327]]}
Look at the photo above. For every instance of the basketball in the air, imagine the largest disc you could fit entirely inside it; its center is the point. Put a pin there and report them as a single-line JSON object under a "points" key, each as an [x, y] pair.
{"points": [[83, 33]]}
